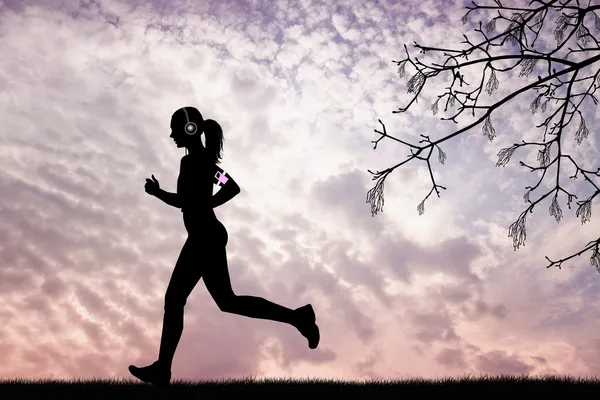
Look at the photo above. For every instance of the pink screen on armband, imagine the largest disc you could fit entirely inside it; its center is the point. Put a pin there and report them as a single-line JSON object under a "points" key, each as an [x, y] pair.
{"points": [[222, 178]]}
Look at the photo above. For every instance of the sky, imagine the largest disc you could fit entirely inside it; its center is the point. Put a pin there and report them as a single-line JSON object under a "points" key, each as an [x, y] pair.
{"points": [[87, 90]]}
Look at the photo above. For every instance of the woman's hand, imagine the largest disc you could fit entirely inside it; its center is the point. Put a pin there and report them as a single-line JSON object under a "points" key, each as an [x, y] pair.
{"points": [[152, 186]]}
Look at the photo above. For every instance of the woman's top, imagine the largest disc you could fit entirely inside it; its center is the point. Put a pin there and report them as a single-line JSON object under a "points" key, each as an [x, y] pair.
{"points": [[195, 185]]}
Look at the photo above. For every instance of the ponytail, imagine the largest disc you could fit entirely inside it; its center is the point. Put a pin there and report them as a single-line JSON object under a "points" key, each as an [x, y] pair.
{"points": [[214, 139]]}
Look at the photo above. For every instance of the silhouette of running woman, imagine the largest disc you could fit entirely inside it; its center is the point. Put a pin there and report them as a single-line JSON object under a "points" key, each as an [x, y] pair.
{"points": [[204, 255]]}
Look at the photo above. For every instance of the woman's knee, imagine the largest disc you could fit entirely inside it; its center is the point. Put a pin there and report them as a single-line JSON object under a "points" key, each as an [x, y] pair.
{"points": [[227, 303], [174, 302]]}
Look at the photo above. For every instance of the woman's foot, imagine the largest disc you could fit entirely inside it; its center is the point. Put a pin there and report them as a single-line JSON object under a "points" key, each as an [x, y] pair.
{"points": [[305, 323], [154, 374]]}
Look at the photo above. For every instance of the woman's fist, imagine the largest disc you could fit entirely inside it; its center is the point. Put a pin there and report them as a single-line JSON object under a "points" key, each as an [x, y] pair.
{"points": [[152, 186]]}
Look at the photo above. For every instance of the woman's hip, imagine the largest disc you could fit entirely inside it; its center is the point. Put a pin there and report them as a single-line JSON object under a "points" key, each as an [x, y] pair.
{"points": [[208, 230]]}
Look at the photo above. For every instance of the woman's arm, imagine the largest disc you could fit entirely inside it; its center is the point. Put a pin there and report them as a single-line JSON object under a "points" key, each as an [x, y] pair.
{"points": [[229, 187], [171, 199], [223, 179], [225, 194]]}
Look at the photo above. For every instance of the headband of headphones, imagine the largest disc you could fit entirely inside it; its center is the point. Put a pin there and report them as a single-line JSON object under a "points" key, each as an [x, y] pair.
{"points": [[190, 127]]}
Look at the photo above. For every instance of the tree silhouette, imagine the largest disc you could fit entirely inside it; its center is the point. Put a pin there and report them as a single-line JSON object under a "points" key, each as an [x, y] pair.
{"points": [[559, 82]]}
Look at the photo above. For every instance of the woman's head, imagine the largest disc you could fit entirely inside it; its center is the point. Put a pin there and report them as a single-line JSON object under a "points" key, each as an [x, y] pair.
{"points": [[211, 129]]}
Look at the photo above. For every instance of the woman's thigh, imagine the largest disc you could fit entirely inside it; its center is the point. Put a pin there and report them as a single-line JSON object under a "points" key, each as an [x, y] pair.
{"points": [[216, 278], [187, 272]]}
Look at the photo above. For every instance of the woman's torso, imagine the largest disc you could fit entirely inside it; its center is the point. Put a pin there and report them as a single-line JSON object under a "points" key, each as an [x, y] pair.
{"points": [[195, 188], [195, 185]]}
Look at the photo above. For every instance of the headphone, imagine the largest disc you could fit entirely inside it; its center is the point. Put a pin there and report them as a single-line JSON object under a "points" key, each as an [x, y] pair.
{"points": [[190, 127]]}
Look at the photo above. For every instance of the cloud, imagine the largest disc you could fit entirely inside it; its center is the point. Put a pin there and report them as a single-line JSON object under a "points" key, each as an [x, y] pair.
{"points": [[499, 363], [453, 358]]}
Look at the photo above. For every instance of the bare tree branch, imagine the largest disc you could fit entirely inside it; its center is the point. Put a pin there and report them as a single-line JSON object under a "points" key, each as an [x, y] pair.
{"points": [[559, 85]]}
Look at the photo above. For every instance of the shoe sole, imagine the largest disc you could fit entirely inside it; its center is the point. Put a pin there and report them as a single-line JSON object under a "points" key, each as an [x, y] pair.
{"points": [[311, 317], [133, 370], [318, 335]]}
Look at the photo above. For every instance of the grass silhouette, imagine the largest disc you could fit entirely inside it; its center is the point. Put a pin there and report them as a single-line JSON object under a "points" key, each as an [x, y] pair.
{"points": [[265, 388]]}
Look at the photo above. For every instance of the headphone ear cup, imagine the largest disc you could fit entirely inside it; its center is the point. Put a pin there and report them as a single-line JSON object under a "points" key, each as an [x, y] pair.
{"points": [[190, 128]]}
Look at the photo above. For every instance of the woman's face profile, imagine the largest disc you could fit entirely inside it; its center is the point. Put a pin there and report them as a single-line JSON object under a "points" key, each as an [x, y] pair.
{"points": [[177, 133]]}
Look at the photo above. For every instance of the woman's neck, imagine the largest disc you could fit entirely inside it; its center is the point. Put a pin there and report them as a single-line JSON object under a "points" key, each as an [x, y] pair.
{"points": [[197, 151]]}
